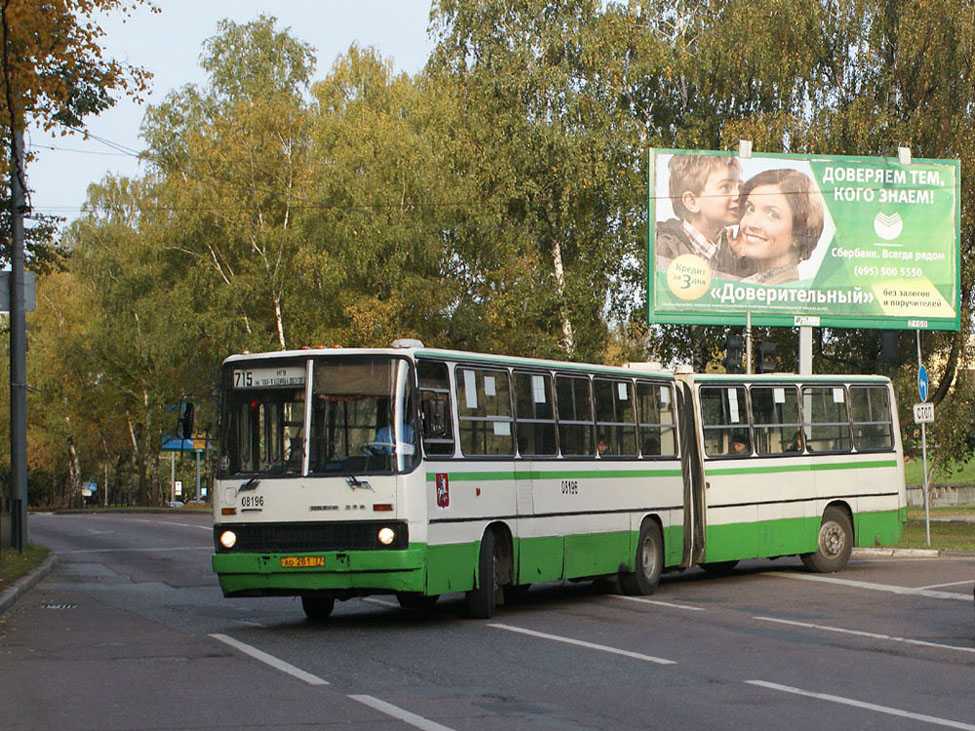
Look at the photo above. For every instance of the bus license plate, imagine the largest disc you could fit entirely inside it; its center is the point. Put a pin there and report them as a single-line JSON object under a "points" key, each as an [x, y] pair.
{"points": [[301, 562]]}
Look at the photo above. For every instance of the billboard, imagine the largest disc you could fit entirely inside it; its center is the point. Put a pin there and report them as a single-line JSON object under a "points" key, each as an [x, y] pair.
{"points": [[831, 241]]}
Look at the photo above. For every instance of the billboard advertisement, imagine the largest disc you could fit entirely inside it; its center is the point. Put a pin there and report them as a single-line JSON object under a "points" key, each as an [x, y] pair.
{"points": [[830, 241]]}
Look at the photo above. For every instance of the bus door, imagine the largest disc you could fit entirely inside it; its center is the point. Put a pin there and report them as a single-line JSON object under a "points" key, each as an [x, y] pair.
{"points": [[786, 511], [539, 548], [730, 492], [692, 470]]}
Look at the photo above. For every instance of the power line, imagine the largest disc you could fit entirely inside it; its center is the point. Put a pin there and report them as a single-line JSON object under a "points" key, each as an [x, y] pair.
{"points": [[54, 148]]}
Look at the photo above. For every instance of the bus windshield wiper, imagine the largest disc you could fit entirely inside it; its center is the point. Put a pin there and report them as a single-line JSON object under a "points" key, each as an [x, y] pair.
{"points": [[355, 483], [251, 484]]}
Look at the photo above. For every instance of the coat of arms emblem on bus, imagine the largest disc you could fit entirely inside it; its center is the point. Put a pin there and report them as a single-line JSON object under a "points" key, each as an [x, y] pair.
{"points": [[443, 490]]}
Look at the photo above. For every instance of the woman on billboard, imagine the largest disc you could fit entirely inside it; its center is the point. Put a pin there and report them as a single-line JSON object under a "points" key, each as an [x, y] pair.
{"points": [[781, 222]]}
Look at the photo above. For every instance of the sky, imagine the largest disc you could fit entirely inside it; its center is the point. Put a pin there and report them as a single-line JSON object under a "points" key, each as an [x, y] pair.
{"points": [[169, 44]]}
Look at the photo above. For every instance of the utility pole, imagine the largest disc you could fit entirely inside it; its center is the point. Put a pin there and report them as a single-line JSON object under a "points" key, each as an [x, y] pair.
{"points": [[18, 346]]}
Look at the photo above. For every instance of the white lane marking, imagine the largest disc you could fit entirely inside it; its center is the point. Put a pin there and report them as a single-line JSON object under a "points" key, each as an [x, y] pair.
{"points": [[861, 633], [659, 603], [161, 549], [270, 660], [172, 522], [380, 602], [873, 587], [582, 643], [953, 583], [398, 713], [861, 704]]}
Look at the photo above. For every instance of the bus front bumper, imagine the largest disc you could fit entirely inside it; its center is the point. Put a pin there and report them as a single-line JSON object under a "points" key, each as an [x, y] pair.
{"points": [[347, 573]]}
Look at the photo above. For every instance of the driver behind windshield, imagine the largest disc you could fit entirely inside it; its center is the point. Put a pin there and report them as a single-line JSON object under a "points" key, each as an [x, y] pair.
{"points": [[385, 440]]}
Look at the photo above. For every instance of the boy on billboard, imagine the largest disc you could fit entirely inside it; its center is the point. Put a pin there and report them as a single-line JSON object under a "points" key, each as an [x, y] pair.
{"points": [[704, 191]]}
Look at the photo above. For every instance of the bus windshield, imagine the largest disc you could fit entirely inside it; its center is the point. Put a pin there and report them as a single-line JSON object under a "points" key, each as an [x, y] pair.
{"points": [[341, 415]]}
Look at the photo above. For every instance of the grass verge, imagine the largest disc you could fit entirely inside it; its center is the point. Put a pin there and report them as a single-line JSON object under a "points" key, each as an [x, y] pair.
{"points": [[946, 534], [14, 564], [962, 474]]}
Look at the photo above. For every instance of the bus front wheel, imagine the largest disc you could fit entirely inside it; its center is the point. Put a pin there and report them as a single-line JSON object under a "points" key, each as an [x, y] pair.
{"points": [[317, 608], [834, 544], [482, 599], [649, 562]]}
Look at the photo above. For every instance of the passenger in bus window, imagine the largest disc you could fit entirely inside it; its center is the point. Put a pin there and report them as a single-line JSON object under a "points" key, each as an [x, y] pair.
{"points": [[797, 443], [602, 445], [739, 444]]}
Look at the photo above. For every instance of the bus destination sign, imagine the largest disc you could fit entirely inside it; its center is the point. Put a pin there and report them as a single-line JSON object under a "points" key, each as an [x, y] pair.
{"points": [[286, 377]]}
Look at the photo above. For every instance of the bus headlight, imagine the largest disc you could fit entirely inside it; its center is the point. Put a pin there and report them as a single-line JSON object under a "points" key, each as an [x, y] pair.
{"points": [[227, 539], [386, 535]]}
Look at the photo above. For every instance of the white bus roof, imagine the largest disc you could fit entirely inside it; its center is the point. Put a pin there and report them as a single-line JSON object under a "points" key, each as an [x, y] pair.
{"points": [[452, 355]]}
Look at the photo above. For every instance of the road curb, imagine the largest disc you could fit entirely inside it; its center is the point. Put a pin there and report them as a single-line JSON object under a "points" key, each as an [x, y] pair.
{"points": [[24, 583], [896, 553]]}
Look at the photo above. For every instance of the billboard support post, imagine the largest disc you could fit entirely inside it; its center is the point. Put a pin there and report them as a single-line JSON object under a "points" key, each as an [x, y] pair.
{"points": [[748, 342], [805, 350], [924, 452]]}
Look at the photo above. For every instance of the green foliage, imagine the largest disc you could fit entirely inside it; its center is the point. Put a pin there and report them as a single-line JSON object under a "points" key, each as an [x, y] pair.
{"points": [[495, 201], [55, 74]]}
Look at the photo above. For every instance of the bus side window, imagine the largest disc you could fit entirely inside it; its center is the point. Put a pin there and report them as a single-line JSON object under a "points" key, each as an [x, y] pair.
{"points": [[775, 416], [825, 414], [655, 410], [872, 423], [575, 415], [615, 418], [484, 411], [724, 417], [436, 423], [535, 414]]}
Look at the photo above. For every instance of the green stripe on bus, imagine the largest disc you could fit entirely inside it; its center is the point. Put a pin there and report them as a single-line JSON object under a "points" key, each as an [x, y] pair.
{"points": [[808, 467], [553, 475], [627, 474]]}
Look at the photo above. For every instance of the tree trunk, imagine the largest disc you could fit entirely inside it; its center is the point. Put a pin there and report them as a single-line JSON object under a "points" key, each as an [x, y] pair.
{"points": [[138, 474], [568, 335], [279, 321], [74, 472]]}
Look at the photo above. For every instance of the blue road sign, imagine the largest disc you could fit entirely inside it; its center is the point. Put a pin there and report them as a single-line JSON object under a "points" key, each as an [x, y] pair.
{"points": [[922, 383]]}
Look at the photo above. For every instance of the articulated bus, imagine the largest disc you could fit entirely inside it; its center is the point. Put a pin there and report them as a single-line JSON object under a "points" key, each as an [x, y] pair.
{"points": [[419, 472]]}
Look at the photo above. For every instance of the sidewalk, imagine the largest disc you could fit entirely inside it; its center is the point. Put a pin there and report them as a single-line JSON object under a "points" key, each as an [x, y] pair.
{"points": [[23, 584], [882, 552], [74, 663]]}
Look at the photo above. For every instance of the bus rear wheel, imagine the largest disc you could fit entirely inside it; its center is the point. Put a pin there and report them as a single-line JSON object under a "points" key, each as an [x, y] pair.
{"points": [[482, 599], [317, 608], [649, 562], [834, 544]]}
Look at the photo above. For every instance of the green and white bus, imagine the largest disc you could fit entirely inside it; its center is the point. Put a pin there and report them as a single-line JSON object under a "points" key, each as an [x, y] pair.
{"points": [[420, 472]]}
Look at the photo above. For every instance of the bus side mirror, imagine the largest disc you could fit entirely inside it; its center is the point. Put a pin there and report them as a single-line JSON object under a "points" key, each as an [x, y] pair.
{"points": [[186, 420], [434, 413]]}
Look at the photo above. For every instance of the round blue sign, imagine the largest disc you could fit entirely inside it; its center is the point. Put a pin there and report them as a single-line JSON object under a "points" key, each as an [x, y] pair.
{"points": [[922, 383]]}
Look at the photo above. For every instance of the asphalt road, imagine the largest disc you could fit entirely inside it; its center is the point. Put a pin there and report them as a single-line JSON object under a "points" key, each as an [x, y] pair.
{"points": [[130, 631]]}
